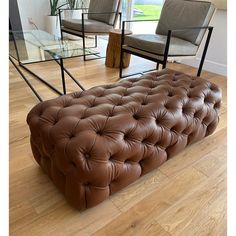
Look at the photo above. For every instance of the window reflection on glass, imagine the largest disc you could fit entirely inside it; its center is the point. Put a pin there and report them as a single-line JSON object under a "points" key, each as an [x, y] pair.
{"points": [[142, 10]]}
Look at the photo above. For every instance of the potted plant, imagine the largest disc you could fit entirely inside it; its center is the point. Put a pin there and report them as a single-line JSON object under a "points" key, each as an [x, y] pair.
{"points": [[76, 4], [71, 13], [52, 20], [72, 4]]}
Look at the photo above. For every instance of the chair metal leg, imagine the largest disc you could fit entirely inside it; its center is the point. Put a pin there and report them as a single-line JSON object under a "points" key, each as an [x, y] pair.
{"points": [[120, 19], [63, 76], [83, 37], [96, 41], [121, 62], [60, 24], [205, 51], [121, 48], [166, 49]]}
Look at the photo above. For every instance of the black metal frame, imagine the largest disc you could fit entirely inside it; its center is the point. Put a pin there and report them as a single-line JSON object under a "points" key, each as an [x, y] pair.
{"points": [[166, 51], [26, 80], [82, 34], [59, 61]]}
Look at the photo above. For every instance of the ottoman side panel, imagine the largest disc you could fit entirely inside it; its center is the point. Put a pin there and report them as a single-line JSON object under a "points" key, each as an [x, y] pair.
{"points": [[49, 137]]}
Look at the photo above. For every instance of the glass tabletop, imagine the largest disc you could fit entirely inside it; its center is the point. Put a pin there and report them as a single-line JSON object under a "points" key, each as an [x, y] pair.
{"points": [[37, 46]]}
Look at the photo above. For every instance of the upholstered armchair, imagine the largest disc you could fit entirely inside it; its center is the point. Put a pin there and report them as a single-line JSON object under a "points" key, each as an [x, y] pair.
{"points": [[179, 33], [98, 19]]}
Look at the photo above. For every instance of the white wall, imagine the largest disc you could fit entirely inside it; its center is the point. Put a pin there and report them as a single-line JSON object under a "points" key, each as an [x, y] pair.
{"points": [[34, 9], [216, 59]]}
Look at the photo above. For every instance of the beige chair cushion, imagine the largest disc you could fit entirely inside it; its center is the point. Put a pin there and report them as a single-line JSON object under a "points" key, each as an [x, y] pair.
{"points": [[178, 14], [153, 43], [90, 26], [100, 6]]}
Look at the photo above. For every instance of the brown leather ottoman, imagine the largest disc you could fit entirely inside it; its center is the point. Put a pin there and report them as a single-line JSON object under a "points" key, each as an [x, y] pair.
{"points": [[94, 143]]}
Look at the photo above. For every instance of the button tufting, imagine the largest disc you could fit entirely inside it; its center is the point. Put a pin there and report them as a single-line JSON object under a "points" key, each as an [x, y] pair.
{"points": [[99, 132], [217, 105], [146, 142], [207, 99], [73, 164], [128, 148], [119, 104], [158, 120], [135, 116], [86, 155], [185, 110], [213, 87], [126, 136], [167, 106]]}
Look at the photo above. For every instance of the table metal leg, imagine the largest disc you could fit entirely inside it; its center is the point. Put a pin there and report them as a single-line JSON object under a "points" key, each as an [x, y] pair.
{"points": [[25, 79], [68, 73], [41, 80], [62, 75], [63, 70]]}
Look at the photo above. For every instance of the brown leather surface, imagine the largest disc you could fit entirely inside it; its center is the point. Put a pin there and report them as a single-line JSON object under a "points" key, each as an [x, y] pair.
{"points": [[96, 142]]}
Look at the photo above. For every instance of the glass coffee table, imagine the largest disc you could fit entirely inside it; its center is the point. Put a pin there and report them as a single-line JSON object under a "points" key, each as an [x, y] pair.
{"points": [[37, 46]]}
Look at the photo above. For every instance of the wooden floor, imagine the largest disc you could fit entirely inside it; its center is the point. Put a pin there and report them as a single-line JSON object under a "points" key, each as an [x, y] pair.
{"points": [[186, 196]]}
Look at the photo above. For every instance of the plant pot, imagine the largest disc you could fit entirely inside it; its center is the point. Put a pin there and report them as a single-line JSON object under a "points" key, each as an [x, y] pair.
{"points": [[53, 25]]}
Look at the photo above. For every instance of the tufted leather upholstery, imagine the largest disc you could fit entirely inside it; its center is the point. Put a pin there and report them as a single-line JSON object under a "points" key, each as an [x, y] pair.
{"points": [[96, 142]]}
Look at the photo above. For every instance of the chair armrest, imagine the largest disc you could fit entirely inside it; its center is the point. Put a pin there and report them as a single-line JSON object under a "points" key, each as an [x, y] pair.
{"points": [[192, 28], [87, 13], [76, 9], [170, 31], [130, 21], [82, 8]]}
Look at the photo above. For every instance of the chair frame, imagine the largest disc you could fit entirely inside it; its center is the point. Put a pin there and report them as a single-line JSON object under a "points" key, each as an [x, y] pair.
{"points": [[166, 51], [82, 34]]}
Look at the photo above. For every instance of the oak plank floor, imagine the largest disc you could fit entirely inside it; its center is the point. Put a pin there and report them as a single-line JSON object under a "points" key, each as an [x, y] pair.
{"points": [[185, 196]]}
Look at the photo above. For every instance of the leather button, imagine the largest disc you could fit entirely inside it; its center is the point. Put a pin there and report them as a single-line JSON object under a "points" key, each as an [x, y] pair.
{"points": [[86, 155], [135, 116], [217, 105], [99, 132]]}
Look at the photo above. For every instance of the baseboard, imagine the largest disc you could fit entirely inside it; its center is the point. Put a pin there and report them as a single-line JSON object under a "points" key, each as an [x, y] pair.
{"points": [[211, 66]]}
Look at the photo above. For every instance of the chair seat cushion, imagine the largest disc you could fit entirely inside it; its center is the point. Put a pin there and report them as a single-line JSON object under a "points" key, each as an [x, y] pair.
{"points": [[154, 43], [94, 143], [90, 26]]}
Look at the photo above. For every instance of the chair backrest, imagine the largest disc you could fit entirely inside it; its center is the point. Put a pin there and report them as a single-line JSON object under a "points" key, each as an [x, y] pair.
{"points": [[100, 6], [177, 14]]}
